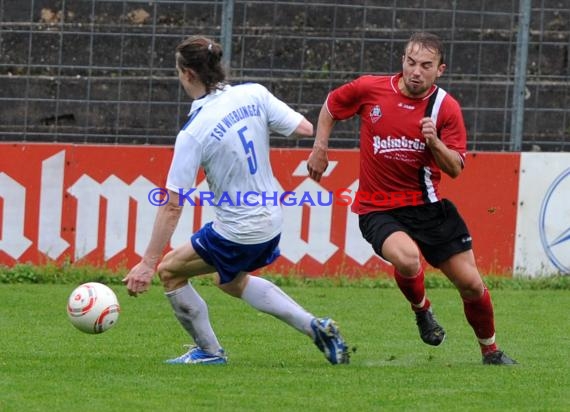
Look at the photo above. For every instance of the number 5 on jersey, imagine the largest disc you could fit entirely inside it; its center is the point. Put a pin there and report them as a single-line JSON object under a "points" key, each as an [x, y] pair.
{"points": [[249, 150]]}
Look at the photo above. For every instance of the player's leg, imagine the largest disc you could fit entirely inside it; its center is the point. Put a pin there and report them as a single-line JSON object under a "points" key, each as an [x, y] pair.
{"points": [[267, 297], [462, 271], [189, 308], [456, 260], [387, 234], [403, 253], [389, 240]]}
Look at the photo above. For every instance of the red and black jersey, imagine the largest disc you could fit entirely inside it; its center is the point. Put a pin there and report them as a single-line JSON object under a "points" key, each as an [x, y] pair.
{"points": [[396, 166]]}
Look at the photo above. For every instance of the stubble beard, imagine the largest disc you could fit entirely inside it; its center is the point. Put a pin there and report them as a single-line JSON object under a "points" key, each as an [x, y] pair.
{"points": [[415, 90]]}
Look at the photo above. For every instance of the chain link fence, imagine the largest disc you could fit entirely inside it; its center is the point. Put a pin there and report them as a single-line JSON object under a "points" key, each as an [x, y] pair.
{"points": [[102, 71]]}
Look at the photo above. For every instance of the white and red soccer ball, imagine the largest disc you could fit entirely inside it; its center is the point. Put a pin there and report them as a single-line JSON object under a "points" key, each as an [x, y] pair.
{"points": [[93, 308]]}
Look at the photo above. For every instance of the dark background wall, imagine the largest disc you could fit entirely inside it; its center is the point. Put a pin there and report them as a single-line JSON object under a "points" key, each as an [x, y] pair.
{"points": [[103, 70]]}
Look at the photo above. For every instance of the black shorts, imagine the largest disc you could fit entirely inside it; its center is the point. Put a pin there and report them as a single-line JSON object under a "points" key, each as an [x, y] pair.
{"points": [[437, 228]]}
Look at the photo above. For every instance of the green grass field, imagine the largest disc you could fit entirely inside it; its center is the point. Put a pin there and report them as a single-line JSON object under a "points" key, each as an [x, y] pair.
{"points": [[47, 365]]}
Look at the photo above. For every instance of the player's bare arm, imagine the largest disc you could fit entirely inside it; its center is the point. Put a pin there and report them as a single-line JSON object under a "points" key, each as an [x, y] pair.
{"points": [[448, 160], [139, 278], [305, 129], [318, 159]]}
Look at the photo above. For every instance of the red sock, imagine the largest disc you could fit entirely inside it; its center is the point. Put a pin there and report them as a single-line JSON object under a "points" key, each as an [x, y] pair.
{"points": [[479, 314], [413, 289]]}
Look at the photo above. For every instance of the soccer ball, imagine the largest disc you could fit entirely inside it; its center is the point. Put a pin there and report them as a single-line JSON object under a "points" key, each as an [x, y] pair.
{"points": [[93, 308]]}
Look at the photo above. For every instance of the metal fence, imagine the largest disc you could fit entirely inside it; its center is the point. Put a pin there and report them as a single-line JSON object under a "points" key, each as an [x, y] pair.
{"points": [[102, 71]]}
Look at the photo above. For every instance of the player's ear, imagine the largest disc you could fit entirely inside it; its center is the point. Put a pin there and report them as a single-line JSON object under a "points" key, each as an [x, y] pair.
{"points": [[190, 74], [187, 74], [441, 69]]}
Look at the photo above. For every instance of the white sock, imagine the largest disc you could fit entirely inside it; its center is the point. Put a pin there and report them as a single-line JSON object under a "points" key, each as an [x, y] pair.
{"points": [[269, 298], [192, 313]]}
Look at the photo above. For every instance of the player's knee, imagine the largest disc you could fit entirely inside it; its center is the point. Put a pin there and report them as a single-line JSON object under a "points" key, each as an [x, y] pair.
{"points": [[402, 252], [165, 274], [407, 263], [471, 289], [162, 273], [230, 289], [162, 268], [234, 288]]}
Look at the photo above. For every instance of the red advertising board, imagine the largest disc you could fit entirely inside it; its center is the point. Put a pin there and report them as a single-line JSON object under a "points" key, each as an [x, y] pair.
{"points": [[486, 194], [90, 204]]}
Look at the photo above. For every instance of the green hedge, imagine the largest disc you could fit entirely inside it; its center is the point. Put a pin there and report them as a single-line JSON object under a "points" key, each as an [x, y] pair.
{"points": [[76, 274]]}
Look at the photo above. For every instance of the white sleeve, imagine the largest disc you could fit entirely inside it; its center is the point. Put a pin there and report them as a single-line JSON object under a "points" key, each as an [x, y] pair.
{"points": [[185, 163], [282, 119]]}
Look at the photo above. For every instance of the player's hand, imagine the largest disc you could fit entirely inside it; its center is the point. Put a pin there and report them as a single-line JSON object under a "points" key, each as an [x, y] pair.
{"points": [[429, 131], [139, 278], [317, 163]]}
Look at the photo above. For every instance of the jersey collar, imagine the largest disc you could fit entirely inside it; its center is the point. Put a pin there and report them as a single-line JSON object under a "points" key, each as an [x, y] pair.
{"points": [[394, 82], [199, 103]]}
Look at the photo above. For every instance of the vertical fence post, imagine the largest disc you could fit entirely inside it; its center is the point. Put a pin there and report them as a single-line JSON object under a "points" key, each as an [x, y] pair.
{"points": [[226, 33], [521, 58]]}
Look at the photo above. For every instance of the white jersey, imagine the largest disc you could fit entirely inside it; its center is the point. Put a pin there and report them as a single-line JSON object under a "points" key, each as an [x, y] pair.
{"points": [[228, 135]]}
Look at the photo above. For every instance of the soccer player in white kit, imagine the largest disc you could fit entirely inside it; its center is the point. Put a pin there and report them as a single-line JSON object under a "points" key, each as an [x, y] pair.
{"points": [[227, 134]]}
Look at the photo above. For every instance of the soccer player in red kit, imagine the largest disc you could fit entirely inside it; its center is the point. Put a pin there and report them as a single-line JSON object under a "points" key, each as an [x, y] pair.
{"points": [[411, 131]]}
